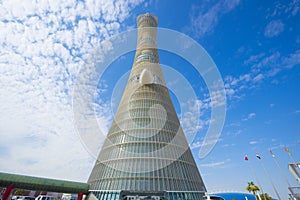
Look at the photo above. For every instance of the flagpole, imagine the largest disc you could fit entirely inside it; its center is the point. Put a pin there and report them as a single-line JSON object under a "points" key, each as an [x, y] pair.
{"points": [[290, 154], [256, 179], [269, 177], [280, 169], [262, 191], [292, 159]]}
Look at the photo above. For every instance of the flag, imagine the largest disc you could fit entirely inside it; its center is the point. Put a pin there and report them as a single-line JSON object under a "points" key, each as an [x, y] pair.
{"points": [[246, 157], [272, 154], [287, 150], [258, 156]]}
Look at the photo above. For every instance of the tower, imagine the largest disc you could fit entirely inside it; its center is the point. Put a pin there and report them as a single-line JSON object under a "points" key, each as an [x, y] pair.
{"points": [[146, 154]]}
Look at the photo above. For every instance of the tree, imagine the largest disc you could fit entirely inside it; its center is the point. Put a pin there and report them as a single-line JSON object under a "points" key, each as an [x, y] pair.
{"points": [[19, 192], [252, 188]]}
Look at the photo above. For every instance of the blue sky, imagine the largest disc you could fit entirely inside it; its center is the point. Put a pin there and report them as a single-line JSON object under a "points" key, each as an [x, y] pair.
{"points": [[254, 44]]}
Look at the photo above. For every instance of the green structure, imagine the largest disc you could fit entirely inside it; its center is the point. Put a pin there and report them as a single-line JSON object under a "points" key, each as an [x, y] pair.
{"points": [[42, 184], [146, 154]]}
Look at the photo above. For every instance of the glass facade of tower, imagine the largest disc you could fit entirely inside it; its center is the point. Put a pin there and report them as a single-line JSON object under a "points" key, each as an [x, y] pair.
{"points": [[145, 154]]}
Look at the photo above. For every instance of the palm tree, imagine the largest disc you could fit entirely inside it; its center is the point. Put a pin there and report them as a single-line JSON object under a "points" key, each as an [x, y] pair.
{"points": [[252, 188]]}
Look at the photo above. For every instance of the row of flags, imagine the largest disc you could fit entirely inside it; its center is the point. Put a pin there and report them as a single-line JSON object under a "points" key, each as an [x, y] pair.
{"points": [[266, 172], [272, 154]]}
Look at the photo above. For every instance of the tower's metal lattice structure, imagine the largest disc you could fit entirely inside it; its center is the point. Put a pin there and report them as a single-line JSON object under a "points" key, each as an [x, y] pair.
{"points": [[146, 154]]}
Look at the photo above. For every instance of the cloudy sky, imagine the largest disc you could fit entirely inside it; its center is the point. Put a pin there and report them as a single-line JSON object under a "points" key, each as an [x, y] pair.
{"points": [[255, 45]]}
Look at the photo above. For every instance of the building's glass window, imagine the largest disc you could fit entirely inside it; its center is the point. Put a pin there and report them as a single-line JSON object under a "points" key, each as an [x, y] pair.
{"points": [[146, 57]]}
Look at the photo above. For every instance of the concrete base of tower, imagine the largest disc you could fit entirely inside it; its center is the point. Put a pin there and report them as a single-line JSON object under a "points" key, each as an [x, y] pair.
{"points": [[140, 195]]}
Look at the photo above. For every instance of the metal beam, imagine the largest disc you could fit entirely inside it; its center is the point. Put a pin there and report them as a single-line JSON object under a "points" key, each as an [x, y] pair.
{"points": [[295, 169]]}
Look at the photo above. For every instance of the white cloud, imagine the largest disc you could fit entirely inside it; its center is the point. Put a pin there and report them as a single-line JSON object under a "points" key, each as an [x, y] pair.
{"points": [[291, 60], [234, 85], [273, 140], [267, 61], [215, 164], [263, 67], [257, 78], [217, 95], [254, 58], [253, 142], [250, 116], [190, 119], [289, 9], [195, 145], [217, 98], [199, 144], [227, 145], [43, 45], [204, 20], [274, 28]]}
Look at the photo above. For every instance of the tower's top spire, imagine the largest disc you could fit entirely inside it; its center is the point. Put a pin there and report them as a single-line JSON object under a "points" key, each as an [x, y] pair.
{"points": [[147, 20]]}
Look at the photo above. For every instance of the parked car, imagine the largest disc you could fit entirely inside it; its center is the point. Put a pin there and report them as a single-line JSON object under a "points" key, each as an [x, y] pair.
{"points": [[15, 197], [22, 197], [44, 197], [69, 197]]}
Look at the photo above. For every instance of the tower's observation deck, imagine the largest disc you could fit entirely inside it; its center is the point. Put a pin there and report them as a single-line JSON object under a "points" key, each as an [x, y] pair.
{"points": [[146, 152]]}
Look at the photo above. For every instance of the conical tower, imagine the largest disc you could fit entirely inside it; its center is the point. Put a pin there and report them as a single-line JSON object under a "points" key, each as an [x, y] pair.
{"points": [[146, 154]]}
